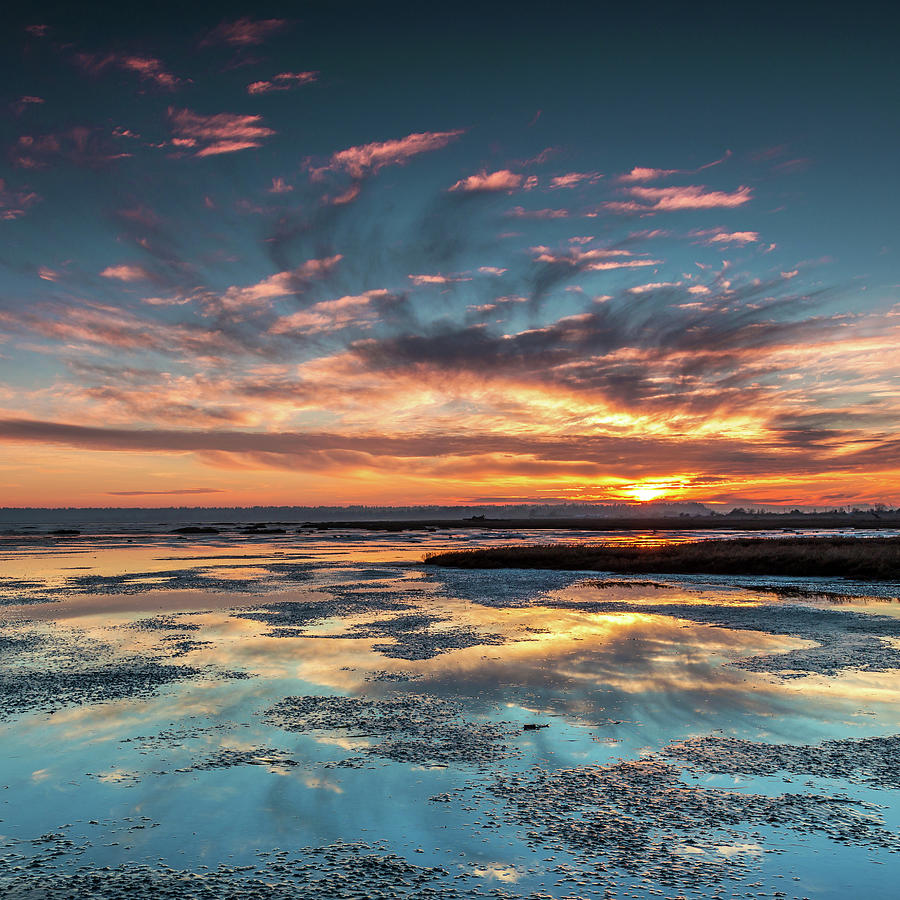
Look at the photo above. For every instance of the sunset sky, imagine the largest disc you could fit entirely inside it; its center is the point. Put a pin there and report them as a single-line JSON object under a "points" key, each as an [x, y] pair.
{"points": [[373, 253]]}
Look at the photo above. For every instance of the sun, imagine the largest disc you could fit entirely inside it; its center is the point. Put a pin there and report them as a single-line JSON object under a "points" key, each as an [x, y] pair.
{"points": [[646, 493]]}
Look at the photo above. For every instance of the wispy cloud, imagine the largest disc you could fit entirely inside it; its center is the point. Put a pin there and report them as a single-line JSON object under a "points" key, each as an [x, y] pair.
{"points": [[244, 32], [147, 68], [643, 173], [367, 159], [126, 272], [14, 203], [79, 145], [172, 491], [215, 134], [281, 284], [720, 236], [667, 199], [574, 179], [420, 280], [20, 105], [360, 310], [284, 81]]}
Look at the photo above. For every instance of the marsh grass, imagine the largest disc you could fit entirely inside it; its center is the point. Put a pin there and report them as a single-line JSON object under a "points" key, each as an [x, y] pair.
{"points": [[847, 557]]}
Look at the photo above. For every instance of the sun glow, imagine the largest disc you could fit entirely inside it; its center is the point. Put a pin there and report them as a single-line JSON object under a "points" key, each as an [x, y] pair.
{"points": [[646, 493]]}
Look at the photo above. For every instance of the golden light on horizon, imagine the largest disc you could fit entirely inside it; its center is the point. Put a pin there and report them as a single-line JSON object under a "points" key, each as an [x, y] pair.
{"points": [[646, 493]]}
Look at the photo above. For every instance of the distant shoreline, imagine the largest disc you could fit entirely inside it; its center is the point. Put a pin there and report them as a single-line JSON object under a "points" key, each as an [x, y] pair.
{"points": [[873, 559], [773, 522]]}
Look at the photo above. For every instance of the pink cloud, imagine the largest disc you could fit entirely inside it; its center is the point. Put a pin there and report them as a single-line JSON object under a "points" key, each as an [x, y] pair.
{"points": [[14, 203], [37, 30], [575, 255], [347, 196], [597, 260], [280, 186], [147, 67], [126, 272], [367, 159], [220, 133], [282, 284], [491, 270], [573, 179], [666, 199], [519, 212], [653, 286], [420, 280], [80, 145], [728, 237], [502, 180], [244, 32], [282, 82], [642, 173], [332, 315], [23, 103]]}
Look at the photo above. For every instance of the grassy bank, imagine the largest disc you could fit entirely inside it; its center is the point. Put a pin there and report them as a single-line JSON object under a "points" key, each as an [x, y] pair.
{"points": [[864, 558]]}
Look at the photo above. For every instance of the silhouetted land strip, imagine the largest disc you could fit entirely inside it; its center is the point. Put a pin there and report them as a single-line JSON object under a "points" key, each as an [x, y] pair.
{"points": [[863, 558], [771, 522]]}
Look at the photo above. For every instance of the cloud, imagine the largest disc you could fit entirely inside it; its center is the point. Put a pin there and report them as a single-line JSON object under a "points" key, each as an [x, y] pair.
{"points": [[714, 236], [215, 134], [147, 68], [576, 256], [502, 180], [573, 179], [285, 81], [178, 491], [420, 280], [14, 203], [126, 272], [332, 315], [519, 212], [79, 145], [20, 105], [367, 159], [735, 237], [642, 173], [281, 284], [666, 199], [96, 325], [280, 186], [243, 32]]}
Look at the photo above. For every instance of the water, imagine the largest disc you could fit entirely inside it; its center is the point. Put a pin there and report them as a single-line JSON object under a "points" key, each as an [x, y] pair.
{"points": [[145, 729]]}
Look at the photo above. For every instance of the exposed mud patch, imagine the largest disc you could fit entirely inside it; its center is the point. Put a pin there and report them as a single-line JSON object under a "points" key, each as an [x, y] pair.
{"points": [[413, 728]]}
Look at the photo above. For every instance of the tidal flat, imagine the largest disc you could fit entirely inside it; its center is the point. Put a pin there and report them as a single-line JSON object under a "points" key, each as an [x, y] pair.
{"points": [[289, 713]]}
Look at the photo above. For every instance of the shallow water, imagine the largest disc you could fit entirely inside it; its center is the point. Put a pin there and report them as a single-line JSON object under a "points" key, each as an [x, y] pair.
{"points": [[251, 716]]}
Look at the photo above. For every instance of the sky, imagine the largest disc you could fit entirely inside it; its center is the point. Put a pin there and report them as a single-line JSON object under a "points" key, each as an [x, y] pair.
{"points": [[356, 253]]}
